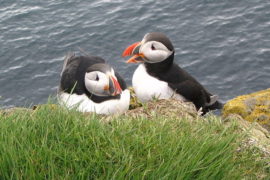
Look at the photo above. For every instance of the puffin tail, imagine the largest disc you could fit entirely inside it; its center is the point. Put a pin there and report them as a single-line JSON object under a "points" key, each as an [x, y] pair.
{"points": [[68, 57], [214, 103]]}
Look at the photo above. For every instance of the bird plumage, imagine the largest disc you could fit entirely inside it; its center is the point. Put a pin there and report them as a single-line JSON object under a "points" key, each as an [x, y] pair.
{"points": [[73, 91], [157, 54]]}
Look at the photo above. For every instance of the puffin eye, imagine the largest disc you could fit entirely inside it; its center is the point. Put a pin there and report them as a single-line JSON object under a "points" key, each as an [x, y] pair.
{"points": [[153, 47], [97, 78]]}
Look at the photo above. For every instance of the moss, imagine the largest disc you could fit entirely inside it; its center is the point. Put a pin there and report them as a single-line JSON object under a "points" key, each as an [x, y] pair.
{"points": [[251, 107], [134, 101], [235, 107]]}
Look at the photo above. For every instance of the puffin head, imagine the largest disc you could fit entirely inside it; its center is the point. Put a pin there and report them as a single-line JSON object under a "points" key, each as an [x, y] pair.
{"points": [[155, 47], [100, 80]]}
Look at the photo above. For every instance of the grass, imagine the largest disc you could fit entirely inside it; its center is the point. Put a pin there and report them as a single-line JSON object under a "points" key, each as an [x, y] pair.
{"points": [[55, 143]]}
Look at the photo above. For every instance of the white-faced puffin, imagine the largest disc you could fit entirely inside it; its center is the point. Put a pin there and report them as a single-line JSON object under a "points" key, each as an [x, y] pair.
{"points": [[90, 85], [159, 77]]}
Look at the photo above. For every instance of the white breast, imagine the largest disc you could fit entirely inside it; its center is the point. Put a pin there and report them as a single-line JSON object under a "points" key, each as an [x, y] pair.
{"points": [[84, 104], [148, 87]]}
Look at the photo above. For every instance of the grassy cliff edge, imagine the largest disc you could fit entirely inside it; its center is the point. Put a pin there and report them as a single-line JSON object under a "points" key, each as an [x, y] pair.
{"points": [[153, 141]]}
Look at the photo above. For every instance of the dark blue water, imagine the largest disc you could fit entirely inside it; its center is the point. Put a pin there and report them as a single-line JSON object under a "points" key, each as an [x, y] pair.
{"points": [[224, 44]]}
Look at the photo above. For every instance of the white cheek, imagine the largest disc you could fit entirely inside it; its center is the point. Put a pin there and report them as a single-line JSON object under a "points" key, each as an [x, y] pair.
{"points": [[92, 86], [96, 87], [153, 56], [156, 55]]}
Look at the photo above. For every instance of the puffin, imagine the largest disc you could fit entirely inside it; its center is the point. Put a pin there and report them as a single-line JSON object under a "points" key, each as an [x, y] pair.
{"points": [[89, 84], [159, 77]]}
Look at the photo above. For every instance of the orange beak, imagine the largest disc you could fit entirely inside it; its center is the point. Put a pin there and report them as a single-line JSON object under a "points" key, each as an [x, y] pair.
{"points": [[117, 87], [133, 50]]}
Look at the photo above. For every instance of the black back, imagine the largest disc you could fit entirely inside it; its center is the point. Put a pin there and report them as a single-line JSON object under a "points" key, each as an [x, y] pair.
{"points": [[181, 82], [72, 79]]}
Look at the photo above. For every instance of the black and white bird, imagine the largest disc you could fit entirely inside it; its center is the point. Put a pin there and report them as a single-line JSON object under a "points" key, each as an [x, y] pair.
{"points": [[159, 77], [90, 85]]}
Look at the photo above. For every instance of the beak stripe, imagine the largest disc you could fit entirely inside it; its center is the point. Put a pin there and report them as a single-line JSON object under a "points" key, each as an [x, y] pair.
{"points": [[117, 86]]}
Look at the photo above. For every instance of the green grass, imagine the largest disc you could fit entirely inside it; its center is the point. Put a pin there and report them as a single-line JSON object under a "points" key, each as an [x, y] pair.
{"points": [[60, 144]]}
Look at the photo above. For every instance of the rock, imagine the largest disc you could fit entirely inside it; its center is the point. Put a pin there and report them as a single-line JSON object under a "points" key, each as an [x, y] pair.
{"points": [[254, 107], [167, 108], [256, 135], [35, 108], [10, 111]]}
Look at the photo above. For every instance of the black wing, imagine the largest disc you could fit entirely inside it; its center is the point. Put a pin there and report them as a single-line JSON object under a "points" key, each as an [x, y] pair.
{"points": [[192, 92], [183, 83]]}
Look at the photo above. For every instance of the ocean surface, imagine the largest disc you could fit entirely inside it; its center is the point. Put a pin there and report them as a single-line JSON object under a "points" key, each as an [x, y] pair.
{"points": [[225, 45]]}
